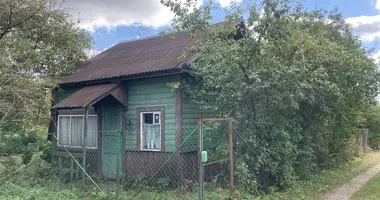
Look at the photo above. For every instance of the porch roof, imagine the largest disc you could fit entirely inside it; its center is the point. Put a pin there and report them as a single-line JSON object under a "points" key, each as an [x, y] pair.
{"points": [[89, 95]]}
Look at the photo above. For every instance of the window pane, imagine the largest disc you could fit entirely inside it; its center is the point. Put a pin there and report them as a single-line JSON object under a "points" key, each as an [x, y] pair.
{"points": [[148, 118], [76, 130], [156, 118], [151, 137], [144, 138], [157, 141], [92, 133], [64, 130]]}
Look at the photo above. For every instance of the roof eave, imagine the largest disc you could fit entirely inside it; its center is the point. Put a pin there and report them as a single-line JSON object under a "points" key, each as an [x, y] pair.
{"points": [[125, 77]]}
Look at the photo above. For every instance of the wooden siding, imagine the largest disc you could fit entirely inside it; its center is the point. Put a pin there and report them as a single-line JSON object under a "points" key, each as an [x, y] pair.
{"points": [[63, 93], [191, 112], [151, 92], [190, 115]]}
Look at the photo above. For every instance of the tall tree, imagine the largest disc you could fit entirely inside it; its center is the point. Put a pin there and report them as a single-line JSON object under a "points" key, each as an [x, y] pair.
{"points": [[39, 43], [293, 83]]}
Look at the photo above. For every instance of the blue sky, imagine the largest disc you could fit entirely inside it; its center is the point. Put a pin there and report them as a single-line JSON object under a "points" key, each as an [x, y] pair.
{"points": [[112, 21]]}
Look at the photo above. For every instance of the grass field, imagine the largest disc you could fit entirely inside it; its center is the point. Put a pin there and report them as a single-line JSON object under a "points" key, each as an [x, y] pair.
{"points": [[370, 191], [23, 188]]}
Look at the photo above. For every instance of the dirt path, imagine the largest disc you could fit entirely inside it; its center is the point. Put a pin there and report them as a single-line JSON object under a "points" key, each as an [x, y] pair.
{"points": [[345, 191]]}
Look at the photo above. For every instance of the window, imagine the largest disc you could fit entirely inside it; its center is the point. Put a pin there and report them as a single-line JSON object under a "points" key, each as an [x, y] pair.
{"points": [[70, 130], [150, 131]]}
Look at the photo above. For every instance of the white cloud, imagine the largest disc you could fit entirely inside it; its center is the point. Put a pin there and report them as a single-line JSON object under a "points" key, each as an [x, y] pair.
{"points": [[92, 52], [367, 27], [95, 14], [377, 5], [376, 56], [226, 3]]}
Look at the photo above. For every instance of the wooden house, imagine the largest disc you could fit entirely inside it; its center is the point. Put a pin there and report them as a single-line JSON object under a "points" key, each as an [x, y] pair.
{"points": [[125, 88]]}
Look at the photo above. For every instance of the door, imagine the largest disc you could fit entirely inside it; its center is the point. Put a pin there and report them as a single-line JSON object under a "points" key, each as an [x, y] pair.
{"points": [[111, 139]]}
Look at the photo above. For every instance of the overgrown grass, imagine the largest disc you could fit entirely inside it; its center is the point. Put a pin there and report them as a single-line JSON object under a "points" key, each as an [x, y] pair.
{"points": [[9, 163], [22, 187], [328, 180], [370, 191], [55, 190]]}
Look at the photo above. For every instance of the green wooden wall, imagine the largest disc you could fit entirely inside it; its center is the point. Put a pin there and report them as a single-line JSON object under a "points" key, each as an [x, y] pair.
{"points": [[191, 112], [151, 92], [62, 93], [190, 115]]}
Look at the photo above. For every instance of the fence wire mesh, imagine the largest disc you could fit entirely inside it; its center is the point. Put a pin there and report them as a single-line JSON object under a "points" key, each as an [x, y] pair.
{"points": [[174, 171], [146, 163], [138, 167], [215, 143]]}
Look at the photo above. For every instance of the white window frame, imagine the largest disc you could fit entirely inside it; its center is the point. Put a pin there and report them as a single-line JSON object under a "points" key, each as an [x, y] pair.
{"points": [[96, 136], [141, 129]]}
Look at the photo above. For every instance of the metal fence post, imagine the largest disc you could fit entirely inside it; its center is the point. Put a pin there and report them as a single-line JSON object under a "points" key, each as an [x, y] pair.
{"points": [[84, 147], [365, 139], [201, 166], [118, 160]]}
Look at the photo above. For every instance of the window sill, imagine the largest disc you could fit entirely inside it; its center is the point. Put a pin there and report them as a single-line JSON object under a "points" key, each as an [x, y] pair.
{"points": [[151, 150], [76, 149]]}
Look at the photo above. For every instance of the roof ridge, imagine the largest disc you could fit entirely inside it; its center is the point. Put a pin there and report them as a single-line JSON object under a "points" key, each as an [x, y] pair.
{"points": [[151, 36], [139, 38]]}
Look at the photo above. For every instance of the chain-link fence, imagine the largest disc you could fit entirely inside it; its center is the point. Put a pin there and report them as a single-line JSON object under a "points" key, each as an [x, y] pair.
{"points": [[136, 162], [362, 139], [99, 164], [195, 162], [216, 142]]}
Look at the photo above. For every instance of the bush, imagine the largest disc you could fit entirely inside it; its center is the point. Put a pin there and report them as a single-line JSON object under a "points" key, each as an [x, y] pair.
{"points": [[293, 85], [25, 144], [370, 119]]}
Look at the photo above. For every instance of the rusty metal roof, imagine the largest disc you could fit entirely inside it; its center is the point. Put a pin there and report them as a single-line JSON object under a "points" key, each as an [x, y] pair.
{"points": [[136, 57], [148, 55], [89, 95]]}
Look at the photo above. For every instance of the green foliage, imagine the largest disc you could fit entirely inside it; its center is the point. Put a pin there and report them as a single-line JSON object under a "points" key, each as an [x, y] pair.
{"points": [[163, 183], [9, 163], [141, 181], [370, 119], [39, 44], [30, 183], [135, 182], [26, 145], [243, 176], [294, 84]]}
